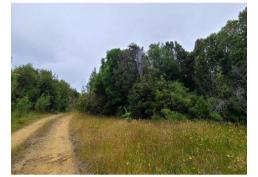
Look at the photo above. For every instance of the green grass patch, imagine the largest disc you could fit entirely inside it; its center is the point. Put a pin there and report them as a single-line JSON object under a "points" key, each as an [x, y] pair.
{"points": [[116, 146], [19, 122]]}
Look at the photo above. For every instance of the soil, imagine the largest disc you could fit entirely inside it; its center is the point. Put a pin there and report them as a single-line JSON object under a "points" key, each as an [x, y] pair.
{"points": [[49, 153]]}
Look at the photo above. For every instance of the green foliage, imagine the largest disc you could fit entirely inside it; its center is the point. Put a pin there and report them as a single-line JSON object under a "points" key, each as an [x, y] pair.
{"points": [[42, 89], [172, 95], [112, 84], [221, 70], [200, 108], [207, 83], [164, 60], [216, 116], [63, 96], [22, 107], [142, 98], [235, 110], [91, 103], [156, 117], [172, 115], [127, 115], [43, 103]]}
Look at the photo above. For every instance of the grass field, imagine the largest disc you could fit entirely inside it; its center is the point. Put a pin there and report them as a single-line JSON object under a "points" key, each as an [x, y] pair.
{"points": [[115, 146], [19, 122]]}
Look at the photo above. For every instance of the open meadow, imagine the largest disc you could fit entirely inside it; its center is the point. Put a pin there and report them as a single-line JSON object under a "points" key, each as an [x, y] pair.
{"points": [[116, 146]]}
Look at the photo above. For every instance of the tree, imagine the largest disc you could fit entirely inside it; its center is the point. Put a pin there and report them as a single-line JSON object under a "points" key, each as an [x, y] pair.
{"points": [[41, 88], [24, 83], [162, 59], [142, 98], [220, 67], [208, 82]]}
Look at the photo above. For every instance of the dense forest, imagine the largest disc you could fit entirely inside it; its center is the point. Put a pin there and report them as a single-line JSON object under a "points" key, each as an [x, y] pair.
{"points": [[39, 90], [169, 82]]}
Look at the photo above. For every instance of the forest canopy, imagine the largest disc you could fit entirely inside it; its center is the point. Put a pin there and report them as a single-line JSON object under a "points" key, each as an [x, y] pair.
{"points": [[169, 82]]}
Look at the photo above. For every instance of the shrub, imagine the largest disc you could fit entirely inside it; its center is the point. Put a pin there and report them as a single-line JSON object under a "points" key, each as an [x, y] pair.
{"points": [[172, 95], [200, 108], [172, 115], [141, 98], [215, 116], [42, 104], [235, 110], [90, 103], [127, 115], [22, 106], [81, 103], [156, 117]]}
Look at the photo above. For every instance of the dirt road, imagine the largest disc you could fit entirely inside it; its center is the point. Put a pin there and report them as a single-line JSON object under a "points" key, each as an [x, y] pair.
{"points": [[48, 153], [21, 135]]}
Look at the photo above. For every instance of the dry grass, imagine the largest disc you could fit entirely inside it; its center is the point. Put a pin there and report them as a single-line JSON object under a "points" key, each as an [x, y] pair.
{"points": [[116, 146]]}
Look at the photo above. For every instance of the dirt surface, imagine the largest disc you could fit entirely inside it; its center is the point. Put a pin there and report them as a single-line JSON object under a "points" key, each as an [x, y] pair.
{"points": [[49, 153], [21, 135]]}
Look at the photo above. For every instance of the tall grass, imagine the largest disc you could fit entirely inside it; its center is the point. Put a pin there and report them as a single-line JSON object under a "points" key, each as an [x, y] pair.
{"points": [[116, 146]]}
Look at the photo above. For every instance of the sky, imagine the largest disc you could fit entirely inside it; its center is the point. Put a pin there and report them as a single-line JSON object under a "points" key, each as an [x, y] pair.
{"points": [[71, 39]]}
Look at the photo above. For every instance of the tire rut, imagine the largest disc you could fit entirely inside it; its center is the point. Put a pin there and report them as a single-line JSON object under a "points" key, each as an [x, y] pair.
{"points": [[20, 136], [49, 153]]}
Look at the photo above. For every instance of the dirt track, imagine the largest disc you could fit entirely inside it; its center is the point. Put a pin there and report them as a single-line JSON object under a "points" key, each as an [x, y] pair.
{"points": [[21, 135], [49, 153]]}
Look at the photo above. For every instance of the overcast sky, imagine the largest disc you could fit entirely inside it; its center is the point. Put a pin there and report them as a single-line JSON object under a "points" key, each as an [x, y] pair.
{"points": [[71, 39]]}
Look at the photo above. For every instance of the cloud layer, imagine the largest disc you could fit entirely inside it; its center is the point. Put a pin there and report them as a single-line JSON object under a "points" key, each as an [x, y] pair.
{"points": [[71, 39]]}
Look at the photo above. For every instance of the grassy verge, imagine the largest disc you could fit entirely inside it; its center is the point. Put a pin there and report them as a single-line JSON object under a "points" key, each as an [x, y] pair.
{"points": [[115, 146], [19, 122]]}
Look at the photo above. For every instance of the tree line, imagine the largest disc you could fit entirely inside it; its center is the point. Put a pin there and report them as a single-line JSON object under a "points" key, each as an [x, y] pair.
{"points": [[39, 90], [169, 82]]}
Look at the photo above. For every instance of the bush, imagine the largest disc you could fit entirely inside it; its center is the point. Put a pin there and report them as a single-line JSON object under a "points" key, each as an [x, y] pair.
{"points": [[172, 115], [81, 103], [172, 95], [216, 116], [127, 115], [200, 108], [42, 104], [141, 98], [235, 110], [22, 106], [90, 103], [156, 117]]}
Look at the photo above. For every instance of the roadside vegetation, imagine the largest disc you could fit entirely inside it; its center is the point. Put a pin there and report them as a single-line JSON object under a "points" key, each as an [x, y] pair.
{"points": [[109, 145], [169, 82], [37, 93], [26, 119]]}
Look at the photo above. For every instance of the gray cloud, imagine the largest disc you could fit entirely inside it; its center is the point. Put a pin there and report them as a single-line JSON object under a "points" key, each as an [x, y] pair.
{"points": [[70, 39]]}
